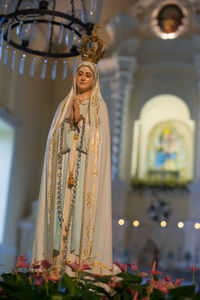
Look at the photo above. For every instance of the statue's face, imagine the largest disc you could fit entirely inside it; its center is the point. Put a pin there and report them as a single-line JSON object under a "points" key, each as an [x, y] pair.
{"points": [[84, 79]]}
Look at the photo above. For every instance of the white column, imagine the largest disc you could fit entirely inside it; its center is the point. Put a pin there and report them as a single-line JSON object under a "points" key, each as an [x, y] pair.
{"points": [[116, 74]]}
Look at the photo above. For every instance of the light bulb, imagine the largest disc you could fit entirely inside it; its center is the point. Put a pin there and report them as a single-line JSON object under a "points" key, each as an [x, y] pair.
{"points": [[121, 222]]}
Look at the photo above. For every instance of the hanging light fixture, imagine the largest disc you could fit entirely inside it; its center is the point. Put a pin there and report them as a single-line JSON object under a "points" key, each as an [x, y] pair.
{"points": [[23, 21]]}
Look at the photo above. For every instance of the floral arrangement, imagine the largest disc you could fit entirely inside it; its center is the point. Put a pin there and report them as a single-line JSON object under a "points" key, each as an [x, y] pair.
{"points": [[41, 280]]}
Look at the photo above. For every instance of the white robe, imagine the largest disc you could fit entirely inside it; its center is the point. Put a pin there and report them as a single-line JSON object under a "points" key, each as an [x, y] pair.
{"points": [[95, 247]]}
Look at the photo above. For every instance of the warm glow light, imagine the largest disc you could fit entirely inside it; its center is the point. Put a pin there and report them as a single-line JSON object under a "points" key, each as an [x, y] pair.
{"points": [[121, 222], [180, 225], [197, 225], [163, 223], [136, 223]]}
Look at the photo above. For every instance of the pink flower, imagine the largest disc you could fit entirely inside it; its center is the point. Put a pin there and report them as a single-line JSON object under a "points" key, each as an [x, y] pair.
{"points": [[21, 262], [134, 266], [154, 266], [148, 281], [74, 266], [117, 263], [39, 282], [135, 296], [160, 285], [38, 279], [123, 267], [178, 282], [22, 258], [22, 265], [153, 271], [45, 264], [35, 265], [85, 267], [37, 275], [167, 278], [193, 268]]}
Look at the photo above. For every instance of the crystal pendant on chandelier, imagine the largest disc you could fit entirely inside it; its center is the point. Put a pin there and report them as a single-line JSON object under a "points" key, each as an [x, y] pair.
{"points": [[44, 69], [13, 60], [21, 64], [65, 70], [9, 32], [1, 49], [72, 39], [54, 70], [1, 41], [5, 58], [49, 28], [32, 67], [91, 11], [1, 36], [60, 37], [69, 38]]}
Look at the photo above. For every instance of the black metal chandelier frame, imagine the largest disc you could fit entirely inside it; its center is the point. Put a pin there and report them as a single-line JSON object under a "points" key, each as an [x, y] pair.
{"points": [[43, 11]]}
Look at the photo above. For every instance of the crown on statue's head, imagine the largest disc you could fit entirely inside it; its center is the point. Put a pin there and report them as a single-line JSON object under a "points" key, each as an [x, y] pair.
{"points": [[92, 48]]}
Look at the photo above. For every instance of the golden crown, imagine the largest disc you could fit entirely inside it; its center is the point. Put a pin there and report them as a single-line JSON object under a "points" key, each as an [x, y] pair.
{"points": [[92, 48]]}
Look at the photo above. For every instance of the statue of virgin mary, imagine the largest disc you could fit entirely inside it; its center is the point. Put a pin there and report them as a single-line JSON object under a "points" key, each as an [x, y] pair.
{"points": [[74, 214]]}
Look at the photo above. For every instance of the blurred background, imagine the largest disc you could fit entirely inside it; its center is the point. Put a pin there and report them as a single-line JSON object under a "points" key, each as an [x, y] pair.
{"points": [[150, 80]]}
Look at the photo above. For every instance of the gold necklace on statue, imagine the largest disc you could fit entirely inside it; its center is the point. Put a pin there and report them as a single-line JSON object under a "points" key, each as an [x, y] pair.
{"points": [[71, 177]]}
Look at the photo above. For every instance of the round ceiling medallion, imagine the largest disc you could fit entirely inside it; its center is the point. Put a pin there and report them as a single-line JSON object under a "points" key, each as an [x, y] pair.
{"points": [[169, 20]]}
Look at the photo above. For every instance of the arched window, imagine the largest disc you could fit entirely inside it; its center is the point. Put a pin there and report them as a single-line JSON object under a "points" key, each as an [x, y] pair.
{"points": [[6, 153], [163, 142]]}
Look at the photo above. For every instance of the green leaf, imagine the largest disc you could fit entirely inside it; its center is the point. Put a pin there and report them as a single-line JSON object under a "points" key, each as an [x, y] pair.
{"points": [[57, 297], [98, 289], [130, 277], [157, 295], [179, 292], [14, 291], [68, 282], [97, 278], [87, 295]]}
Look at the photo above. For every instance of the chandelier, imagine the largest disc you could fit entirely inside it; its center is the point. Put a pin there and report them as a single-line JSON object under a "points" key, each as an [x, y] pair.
{"points": [[40, 28]]}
